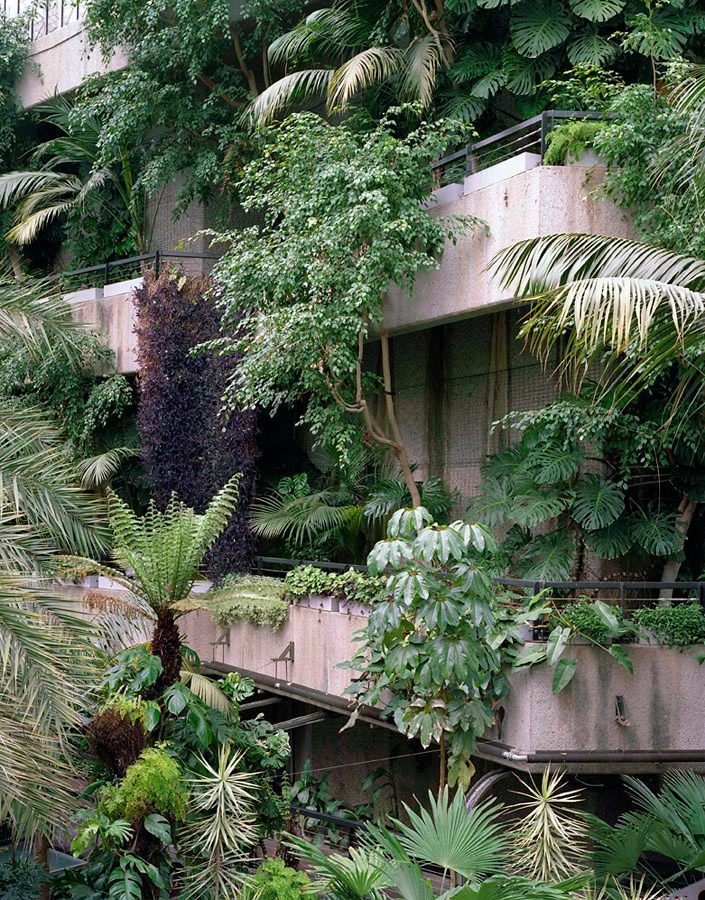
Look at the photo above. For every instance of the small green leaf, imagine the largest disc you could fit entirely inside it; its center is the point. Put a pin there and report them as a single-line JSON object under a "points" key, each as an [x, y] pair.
{"points": [[563, 674]]}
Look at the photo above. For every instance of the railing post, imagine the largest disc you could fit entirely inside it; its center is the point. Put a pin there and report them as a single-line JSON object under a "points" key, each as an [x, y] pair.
{"points": [[157, 263], [106, 274], [544, 133]]}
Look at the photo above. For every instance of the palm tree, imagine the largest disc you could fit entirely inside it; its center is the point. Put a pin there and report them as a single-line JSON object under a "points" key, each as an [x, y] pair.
{"points": [[66, 171], [472, 845], [162, 551], [47, 656]]}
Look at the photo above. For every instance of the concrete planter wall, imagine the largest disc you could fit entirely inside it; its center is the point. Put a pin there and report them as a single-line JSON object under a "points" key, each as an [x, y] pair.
{"points": [[662, 703]]}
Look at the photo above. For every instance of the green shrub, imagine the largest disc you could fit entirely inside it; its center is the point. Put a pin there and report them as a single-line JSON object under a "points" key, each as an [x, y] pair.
{"points": [[356, 586], [677, 626], [570, 141], [273, 880], [305, 580], [583, 617], [252, 598], [21, 880], [153, 784]]}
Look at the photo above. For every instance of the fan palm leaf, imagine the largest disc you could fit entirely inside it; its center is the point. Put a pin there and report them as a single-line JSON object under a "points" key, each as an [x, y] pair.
{"points": [[96, 471], [296, 87]]}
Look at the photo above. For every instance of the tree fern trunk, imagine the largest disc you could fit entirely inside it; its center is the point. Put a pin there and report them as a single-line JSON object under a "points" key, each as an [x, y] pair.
{"points": [[166, 644]]}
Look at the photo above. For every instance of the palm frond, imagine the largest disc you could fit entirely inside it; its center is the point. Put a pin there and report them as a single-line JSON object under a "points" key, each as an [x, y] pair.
{"points": [[370, 66], [332, 30], [472, 844], [423, 58], [307, 84], [301, 518], [97, 471]]}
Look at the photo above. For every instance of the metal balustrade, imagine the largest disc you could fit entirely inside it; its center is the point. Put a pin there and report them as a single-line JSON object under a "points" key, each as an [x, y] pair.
{"points": [[44, 16]]}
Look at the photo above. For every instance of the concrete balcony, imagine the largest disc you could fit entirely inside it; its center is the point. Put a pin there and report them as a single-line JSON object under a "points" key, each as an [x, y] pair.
{"points": [[516, 199], [59, 62]]}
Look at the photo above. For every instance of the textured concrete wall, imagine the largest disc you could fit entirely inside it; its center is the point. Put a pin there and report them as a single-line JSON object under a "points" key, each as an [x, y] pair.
{"points": [[111, 311], [662, 702], [540, 200], [59, 62], [321, 640]]}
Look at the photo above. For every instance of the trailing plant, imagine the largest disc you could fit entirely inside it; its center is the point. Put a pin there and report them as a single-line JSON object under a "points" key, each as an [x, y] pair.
{"points": [[345, 208], [312, 791], [249, 598], [186, 445], [431, 654], [677, 626], [567, 142], [305, 580], [351, 585]]}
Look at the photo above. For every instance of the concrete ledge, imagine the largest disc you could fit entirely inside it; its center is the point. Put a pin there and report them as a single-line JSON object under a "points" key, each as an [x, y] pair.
{"points": [[527, 201], [662, 702]]}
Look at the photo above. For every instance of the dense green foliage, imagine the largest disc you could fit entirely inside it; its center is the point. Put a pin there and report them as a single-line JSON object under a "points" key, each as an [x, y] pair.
{"points": [[352, 585], [344, 209], [274, 880], [678, 626], [248, 598], [580, 479]]}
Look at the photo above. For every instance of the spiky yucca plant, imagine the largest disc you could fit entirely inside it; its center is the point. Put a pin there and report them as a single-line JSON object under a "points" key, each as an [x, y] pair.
{"points": [[159, 555]]}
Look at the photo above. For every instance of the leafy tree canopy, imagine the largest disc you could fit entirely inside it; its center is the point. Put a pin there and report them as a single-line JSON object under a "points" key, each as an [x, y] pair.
{"points": [[342, 216]]}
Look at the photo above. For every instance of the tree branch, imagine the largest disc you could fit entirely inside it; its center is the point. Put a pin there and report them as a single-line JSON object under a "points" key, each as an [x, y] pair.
{"points": [[226, 98], [242, 62]]}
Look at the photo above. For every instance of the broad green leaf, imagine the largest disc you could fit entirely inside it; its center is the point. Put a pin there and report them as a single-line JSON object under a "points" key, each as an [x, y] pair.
{"points": [[556, 644], [598, 502], [620, 655], [538, 27], [597, 10], [606, 614], [563, 674], [530, 656], [159, 827]]}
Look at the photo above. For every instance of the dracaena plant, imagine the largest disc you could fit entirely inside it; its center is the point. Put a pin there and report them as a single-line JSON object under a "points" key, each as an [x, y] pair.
{"points": [[432, 651], [162, 551]]}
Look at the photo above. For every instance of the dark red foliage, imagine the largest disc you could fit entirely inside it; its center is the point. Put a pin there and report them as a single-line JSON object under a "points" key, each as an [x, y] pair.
{"points": [[115, 740], [187, 444]]}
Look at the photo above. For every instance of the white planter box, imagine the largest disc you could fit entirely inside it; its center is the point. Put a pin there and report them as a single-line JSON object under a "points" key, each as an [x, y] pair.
{"points": [[353, 608], [323, 602]]}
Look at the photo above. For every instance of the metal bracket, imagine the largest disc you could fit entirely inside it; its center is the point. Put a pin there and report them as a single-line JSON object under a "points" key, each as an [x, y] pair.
{"points": [[286, 656], [223, 641], [619, 712]]}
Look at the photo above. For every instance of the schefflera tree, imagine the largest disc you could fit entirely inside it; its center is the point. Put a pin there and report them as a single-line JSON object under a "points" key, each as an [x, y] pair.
{"points": [[342, 216], [432, 652]]}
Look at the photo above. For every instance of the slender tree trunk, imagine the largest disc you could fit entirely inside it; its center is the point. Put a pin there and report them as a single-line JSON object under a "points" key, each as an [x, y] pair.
{"points": [[443, 765], [166, 644], [399, 450], [671, 568], [41, 857]]}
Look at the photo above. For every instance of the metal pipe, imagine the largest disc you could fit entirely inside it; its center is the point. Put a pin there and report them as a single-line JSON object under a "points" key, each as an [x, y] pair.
{"points": [[516, 754]]}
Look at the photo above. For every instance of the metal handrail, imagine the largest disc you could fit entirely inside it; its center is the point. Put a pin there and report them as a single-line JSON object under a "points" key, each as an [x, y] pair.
{"points": [[279, 566], [533, 133], [158, 256]]}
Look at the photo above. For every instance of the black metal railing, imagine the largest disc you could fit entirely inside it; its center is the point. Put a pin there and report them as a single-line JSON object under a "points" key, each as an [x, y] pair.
{"points": [[529, 136], [124, 269], [630, 595], [44, 16]]}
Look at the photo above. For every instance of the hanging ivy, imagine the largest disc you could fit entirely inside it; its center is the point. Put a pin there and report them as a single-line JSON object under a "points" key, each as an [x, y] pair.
{"points": [[187, 445]]}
